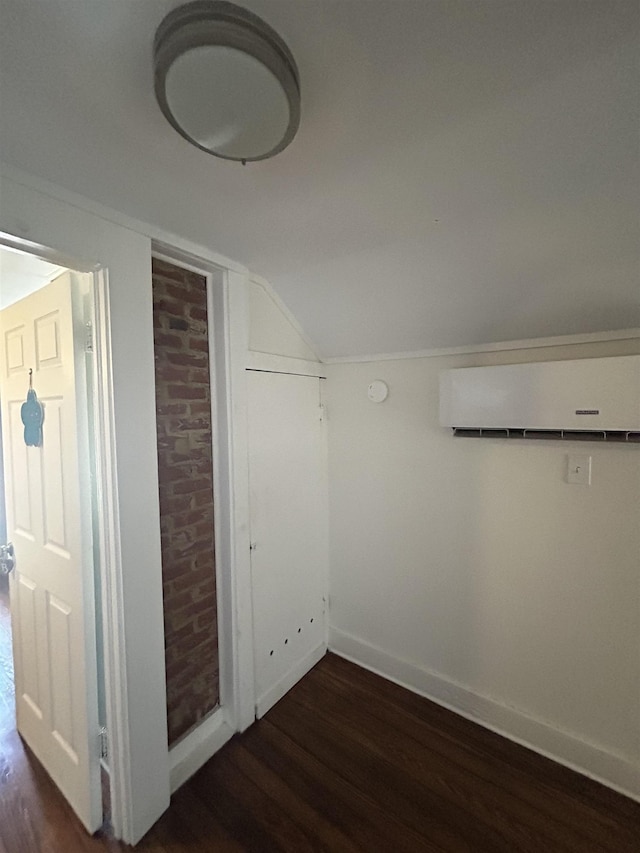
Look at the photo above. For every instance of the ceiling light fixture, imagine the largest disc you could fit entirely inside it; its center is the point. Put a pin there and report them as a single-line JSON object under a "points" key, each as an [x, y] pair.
{"points": [[226, 81]]}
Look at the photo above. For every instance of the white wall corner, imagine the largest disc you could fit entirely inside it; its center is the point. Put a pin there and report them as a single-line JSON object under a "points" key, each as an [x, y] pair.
{"points": [[262, 337], [566, 748]]}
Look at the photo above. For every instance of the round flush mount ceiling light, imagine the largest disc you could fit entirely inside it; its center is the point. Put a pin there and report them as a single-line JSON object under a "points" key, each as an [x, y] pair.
{"points": [[226, 81]]}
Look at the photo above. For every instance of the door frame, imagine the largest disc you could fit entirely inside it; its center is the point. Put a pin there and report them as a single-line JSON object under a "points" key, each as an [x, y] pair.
{"points": [[104, 473], [34, 216], [226, 308]]}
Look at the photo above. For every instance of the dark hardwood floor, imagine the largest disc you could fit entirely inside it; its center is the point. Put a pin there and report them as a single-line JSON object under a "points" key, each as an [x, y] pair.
{"points": [[346, 761]]}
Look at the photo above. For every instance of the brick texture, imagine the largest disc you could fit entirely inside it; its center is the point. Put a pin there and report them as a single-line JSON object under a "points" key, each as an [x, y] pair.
{"points": [[183, 416]]}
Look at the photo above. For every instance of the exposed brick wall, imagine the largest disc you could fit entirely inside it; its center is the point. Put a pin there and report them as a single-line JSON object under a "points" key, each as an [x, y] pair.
{"points": [[183, 413]]}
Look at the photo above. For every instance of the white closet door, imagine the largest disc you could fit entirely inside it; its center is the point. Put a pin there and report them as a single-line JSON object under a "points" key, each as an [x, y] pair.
{"points": [[288, 511]]}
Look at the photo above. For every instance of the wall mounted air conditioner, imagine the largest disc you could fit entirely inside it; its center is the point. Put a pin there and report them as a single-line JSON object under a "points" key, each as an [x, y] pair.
{"points": [[589, 399]]}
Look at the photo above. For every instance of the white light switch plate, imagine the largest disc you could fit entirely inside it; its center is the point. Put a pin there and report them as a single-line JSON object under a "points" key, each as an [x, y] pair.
{"points": [[579, 469]]}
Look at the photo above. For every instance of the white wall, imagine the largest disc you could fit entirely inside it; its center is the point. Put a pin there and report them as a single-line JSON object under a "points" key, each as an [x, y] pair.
{"points": [[471, 571], [271, 329]]}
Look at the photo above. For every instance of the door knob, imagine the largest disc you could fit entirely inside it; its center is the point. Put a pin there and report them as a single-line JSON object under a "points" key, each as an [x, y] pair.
{"points": [[7, 558]]}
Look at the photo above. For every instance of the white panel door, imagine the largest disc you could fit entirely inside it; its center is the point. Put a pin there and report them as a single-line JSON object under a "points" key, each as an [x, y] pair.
{"points": [[288, 514], [49, 522]]}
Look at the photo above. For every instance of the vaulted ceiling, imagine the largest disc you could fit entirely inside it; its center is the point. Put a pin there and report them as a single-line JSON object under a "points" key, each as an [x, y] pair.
{"points": [[466, 171]]}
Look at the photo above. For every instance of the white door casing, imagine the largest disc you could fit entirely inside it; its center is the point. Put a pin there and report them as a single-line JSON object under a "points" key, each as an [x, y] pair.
{"points": [[49, 522], [288, 514]]}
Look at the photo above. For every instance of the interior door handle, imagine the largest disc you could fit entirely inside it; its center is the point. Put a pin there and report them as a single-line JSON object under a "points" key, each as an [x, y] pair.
{"points": [[7, 558]]}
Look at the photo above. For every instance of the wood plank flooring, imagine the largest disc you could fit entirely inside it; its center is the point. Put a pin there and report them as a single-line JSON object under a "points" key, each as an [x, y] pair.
{"points": [[347, 762]]}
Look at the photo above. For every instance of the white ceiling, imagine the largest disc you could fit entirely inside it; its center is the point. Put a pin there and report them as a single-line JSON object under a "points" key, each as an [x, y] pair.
{"points": [[466, 171], [22, 274]]}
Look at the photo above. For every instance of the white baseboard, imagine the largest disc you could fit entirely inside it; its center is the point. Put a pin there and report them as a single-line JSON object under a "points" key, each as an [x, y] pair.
{"points": [[564, 747], [189, 754], [274, 694]]}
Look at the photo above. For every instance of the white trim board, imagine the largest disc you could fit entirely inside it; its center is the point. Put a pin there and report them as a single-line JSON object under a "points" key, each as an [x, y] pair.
{"points": [[565, 748], [197, 747], [185, 260], [236, 341], [297, 671], [500, 346], [111, 592]]}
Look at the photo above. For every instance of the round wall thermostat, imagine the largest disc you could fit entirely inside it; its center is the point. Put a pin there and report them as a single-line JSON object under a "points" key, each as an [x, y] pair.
{"points": [[377, 391]]}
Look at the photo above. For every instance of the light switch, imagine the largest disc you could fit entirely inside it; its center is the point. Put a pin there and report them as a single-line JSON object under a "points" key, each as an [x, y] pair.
{"points": [[579, 469]]}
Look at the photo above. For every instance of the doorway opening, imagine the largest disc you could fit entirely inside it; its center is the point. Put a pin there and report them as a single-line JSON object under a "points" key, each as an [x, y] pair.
{"points": [[52, 702]]}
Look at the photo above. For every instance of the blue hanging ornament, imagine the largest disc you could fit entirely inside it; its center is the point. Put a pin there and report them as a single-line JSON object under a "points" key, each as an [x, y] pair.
{"points": [[32, 414]]}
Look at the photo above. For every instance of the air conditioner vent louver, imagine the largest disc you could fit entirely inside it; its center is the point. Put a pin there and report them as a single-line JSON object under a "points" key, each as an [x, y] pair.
{"points": [[632, 437], [591, 399]]}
